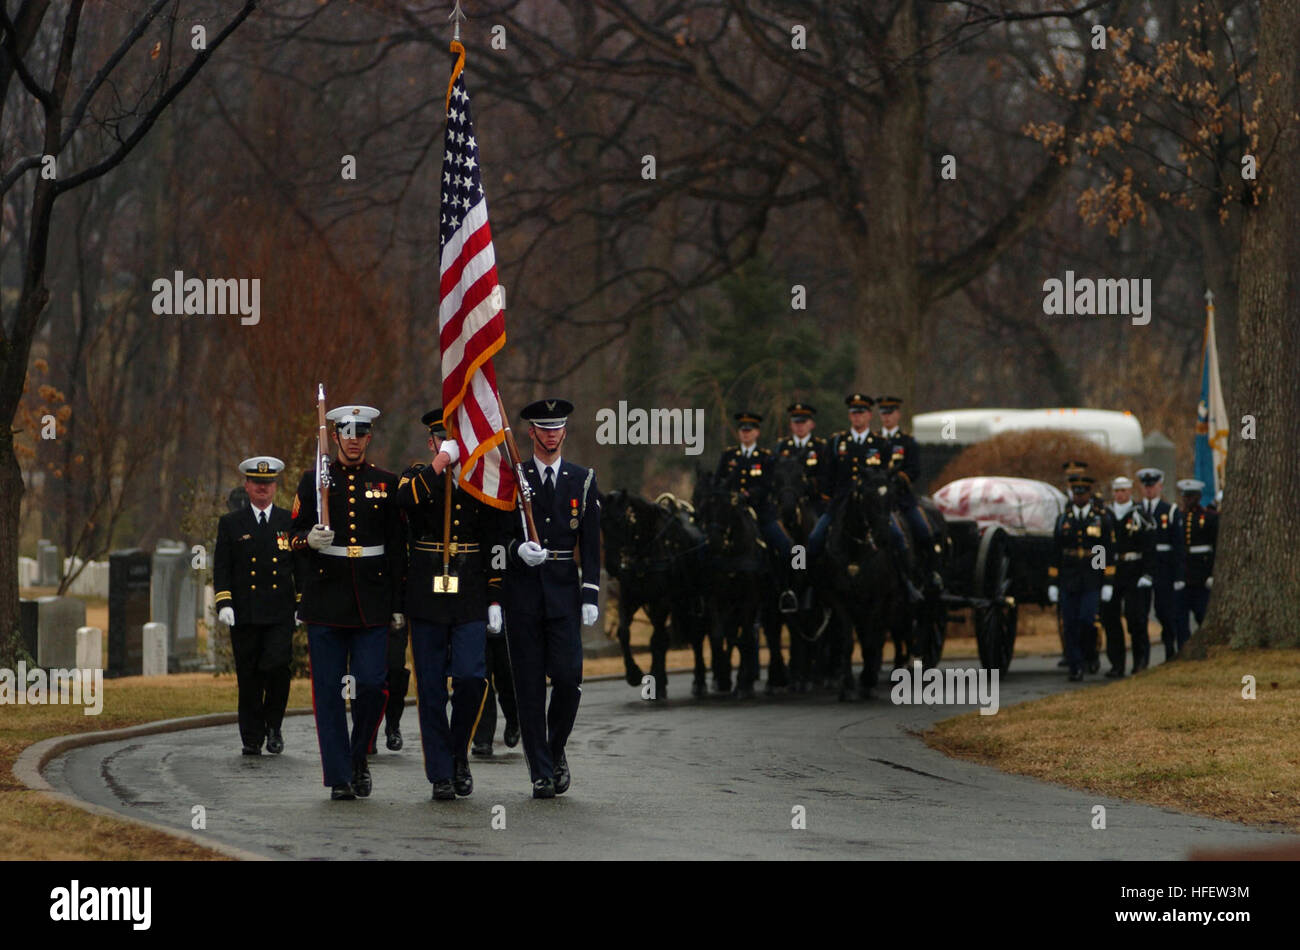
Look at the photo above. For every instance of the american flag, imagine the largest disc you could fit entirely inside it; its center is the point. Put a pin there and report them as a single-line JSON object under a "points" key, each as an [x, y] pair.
{"points": [[471, 325]]}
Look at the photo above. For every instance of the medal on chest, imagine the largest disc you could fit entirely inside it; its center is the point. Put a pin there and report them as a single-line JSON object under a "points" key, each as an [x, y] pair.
{"points": [[573, 513]]}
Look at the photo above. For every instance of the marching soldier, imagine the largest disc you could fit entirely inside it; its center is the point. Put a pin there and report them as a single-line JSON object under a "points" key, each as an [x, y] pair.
{"points": [[747, 468], [1167, 559], [453, 598], [1134, 553], [546, 598], [500, 689], [1200, 535], [253, 546], [352, 595], [1080, 572], [905, 464], [812, 450], [852, 452]]}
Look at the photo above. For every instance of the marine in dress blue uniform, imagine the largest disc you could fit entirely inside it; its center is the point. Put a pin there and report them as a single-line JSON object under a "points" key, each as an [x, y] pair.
{"points": [[1200, 536], [747, 468], [547, 600], [1167, 561], [253, 575], [1082, 576], [448, 627], [352, 594], [1131, 601], [853, 451]]}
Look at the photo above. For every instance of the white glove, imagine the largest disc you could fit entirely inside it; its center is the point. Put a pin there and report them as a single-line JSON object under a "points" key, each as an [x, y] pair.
{"points": [[1179, 585], [450, 448], [399, 621], [1209, 582], [494, 618], [1053, 594], [1107, 592], [1144, 581], [226, 615], [590, 614], [320, 537], [532, 553]]}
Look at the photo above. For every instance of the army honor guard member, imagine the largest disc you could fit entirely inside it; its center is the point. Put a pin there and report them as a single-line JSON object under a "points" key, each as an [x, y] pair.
{"points": [[352, 594], [747, 468], [546, 599], [253, 573], [1200, 535], [1134, 554], [810, 449], [852, 451], [1080, 573], [1167, 561], [453, 598]]}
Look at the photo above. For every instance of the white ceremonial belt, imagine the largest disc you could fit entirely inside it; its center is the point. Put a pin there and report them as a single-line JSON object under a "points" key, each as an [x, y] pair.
{"points": [[1200, 549], [353, 550], [1164, 547]]}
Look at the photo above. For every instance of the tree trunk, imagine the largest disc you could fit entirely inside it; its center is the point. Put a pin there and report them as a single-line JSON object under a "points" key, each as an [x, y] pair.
{"points": [[11, 503], [1257, 577]]}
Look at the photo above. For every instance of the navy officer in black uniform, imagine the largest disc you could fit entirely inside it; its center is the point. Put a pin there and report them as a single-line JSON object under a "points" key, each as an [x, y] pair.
{"points": [[352, 594], [546, 599], [253, 574], [450, 612], [1082, 572]]}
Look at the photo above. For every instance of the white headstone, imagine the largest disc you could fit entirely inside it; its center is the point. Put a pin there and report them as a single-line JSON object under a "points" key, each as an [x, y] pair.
{"points": [[28, 572], [155, 649], [90, 648]]}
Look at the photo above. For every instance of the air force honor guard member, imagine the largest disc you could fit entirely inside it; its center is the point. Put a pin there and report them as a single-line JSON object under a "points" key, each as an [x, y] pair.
{"points": [[451, 610], [1200, 534], [1167, 561], [1080, 573], [253, 573], [352, 594], [545, 597]]}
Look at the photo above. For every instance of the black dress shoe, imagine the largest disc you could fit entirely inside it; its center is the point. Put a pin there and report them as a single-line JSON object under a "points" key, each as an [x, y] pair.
{"points": [[252, 749], [512, 735], [443, 791], [462, 781], [561, 774], [543, 788], [394, 739], [1114, 673], [1094, 666], [787, 603], [482, 750], [1076, 676], [342, 793], [361, 780], [274, 742]]}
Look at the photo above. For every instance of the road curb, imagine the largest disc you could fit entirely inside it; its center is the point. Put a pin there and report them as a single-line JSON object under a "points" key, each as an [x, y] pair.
{"points": [[27, 769]]}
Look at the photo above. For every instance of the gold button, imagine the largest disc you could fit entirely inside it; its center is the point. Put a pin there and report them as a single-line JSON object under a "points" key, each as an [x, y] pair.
{"points": [[252, 587], [253, 559], [454, 521], [274, 587], [353, 527], [252, 573], [458, 507], [275, 560], [354, 540], [352, 514]]}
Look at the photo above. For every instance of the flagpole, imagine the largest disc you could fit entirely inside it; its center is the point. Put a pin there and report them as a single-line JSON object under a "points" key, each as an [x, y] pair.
{"points": [[521, 482], [457, 14]]}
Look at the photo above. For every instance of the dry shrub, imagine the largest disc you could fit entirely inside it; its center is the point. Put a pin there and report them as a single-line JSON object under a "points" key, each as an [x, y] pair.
{"points": [[1037, 454]]}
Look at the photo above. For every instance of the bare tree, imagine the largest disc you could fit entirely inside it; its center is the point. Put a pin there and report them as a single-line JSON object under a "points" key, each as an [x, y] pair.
{"points": [[59, 96]]}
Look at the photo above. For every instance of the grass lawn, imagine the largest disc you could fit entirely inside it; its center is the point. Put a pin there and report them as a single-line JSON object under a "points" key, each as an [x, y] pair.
{"points": [[1178, 735]]}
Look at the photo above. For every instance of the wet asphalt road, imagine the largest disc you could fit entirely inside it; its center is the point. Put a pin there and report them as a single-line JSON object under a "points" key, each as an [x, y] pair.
{"points": [[710, 778]]}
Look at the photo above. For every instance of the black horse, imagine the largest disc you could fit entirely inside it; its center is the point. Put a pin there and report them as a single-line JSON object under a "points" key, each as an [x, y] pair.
{"points": [[927, 618], [865, 588], [654, 551], [738, 574], [809, 623]]}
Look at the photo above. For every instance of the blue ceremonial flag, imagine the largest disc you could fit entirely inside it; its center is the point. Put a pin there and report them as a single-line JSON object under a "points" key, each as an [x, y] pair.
{"points": [[1211, 417]]}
